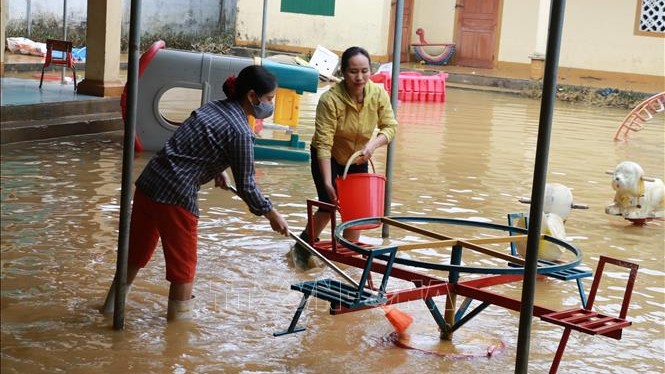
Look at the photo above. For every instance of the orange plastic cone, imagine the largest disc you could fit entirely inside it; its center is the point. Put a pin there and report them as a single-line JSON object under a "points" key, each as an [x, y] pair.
{"points": [[400, 320]]}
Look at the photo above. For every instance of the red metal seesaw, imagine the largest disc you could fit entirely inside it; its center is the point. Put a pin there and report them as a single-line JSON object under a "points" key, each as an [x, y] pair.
{"points": [[361, 295]]}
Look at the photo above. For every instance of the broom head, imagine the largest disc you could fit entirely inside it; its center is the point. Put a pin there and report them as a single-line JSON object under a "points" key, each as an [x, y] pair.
{"points": [[400, 320]]}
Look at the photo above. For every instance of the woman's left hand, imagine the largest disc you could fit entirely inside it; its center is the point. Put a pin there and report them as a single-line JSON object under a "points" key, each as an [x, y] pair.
{"points": [[370, 147], [366, 154]]}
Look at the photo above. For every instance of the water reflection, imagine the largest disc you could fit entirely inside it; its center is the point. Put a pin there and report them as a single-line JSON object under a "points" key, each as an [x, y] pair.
{"points": [[471, 157]]}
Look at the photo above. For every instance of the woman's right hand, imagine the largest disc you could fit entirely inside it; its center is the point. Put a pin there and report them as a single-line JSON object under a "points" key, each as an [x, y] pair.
{"points": [[277, 222], [222, 180], [332, 194]]}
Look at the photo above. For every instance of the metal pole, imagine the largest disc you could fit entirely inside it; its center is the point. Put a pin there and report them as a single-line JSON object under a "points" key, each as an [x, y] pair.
{"points": [[397, 51], [29, 16], [451, 297], [64, 37], [539, 180], [127, 164], [64, 20], [263, 29]]}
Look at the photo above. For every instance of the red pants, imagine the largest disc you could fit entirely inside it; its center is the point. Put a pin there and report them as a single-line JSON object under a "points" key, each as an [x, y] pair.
{"points": [[177, 228]]}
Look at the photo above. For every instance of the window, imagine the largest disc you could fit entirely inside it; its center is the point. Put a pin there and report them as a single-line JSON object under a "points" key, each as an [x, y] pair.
{"points": [[650, 18], [176, 104], [315, 7]]}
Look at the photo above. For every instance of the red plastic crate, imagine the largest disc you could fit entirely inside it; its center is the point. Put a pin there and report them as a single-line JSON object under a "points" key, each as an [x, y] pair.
{"points": [[413, 86]]}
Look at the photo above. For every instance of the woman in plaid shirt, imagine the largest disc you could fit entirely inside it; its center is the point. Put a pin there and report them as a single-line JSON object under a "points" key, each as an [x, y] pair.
{"points": [[215, 137]]}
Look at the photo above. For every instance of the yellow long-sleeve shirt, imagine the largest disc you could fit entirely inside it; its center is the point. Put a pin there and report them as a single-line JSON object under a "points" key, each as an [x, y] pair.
{"points": [[342, 127]]}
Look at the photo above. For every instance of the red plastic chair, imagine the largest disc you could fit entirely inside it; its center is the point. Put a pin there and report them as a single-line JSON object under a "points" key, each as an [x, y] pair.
{"points": [[588, 321], [66, 60]]}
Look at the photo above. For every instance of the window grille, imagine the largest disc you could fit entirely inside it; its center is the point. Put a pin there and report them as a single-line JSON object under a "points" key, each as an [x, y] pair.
{"points": [[652, 16]]}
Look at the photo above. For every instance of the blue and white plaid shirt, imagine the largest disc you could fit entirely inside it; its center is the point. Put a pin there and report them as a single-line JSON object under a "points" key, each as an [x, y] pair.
{"points": [[213, 138]]}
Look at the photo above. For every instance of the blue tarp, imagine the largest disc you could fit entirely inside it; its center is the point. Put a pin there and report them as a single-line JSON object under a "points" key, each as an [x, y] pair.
{"points": [[78, 54]]}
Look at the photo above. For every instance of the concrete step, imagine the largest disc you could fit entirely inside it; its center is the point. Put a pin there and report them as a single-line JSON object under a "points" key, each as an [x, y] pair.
{"points": [[48, 111], [492, 82], [24, 130]]}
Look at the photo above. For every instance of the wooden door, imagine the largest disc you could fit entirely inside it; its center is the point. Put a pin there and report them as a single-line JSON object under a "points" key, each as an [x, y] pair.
{"points": [[407, 24], [476, 40]]}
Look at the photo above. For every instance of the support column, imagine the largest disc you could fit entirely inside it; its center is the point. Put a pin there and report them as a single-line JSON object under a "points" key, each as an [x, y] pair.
{"points": [[451, 298], [538, 56], [3, 25], [102, 67]]}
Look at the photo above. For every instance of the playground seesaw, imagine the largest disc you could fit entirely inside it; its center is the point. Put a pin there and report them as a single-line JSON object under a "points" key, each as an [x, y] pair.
{"points": [[637, 118], [386, 261]]}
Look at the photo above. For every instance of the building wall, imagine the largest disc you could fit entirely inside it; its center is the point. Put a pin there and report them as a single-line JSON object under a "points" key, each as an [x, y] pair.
{"points": [[362, 23], [436, 18], [607, 41], [597, 35], [188, 16], [18, 10], [518, 25]]}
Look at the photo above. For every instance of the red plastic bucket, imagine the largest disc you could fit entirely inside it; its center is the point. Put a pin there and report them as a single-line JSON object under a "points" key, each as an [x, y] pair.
{"points": [[360, 195]]}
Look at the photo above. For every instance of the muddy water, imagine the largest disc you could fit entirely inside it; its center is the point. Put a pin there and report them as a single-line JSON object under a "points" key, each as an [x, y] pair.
{"points": [[469, 158]]}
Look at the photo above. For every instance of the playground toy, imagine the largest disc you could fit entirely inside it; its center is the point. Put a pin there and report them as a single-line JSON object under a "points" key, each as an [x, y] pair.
{"points": [[589, 322], [400, 320], [438, 59], [345, 297], [161, 70], [637, 118], [637, 198], [557, 205]]}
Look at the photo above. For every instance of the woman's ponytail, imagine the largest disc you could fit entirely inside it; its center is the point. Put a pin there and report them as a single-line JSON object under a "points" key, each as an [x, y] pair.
{"points": [[253, 77], [229, 87]]}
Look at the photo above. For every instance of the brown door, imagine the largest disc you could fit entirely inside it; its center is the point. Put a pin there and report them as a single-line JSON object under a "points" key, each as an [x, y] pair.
{"points": [[407, 22], [476, 32]]}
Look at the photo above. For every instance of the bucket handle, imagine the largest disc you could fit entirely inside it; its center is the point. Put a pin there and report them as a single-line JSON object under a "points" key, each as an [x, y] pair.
{"points": [[351, 159]]}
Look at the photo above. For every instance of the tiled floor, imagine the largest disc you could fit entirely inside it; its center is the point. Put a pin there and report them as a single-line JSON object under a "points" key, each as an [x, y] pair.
{"points": [[25, 91], [22, 87]]}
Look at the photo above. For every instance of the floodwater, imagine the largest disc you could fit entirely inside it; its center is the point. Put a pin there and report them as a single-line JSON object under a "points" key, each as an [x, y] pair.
{"points": [[470, 158]]}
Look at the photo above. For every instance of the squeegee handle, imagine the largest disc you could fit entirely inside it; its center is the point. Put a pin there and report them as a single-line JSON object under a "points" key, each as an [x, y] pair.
{"points": [[313, 251], [316, 253]]}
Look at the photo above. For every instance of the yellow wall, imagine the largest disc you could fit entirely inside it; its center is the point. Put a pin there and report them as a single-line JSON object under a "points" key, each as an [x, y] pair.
{"points": [[518, 25], [438, 29], [597, 35], [607, 41], [362, 23]]}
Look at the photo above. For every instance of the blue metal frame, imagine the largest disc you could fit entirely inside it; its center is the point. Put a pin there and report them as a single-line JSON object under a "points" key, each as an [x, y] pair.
{"points": [[545, 269], [352, 297], [460, 321], [344, 295]]}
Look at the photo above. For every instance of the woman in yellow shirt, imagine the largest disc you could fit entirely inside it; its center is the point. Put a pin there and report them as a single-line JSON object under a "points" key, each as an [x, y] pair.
{"points": [[347, 116]]}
